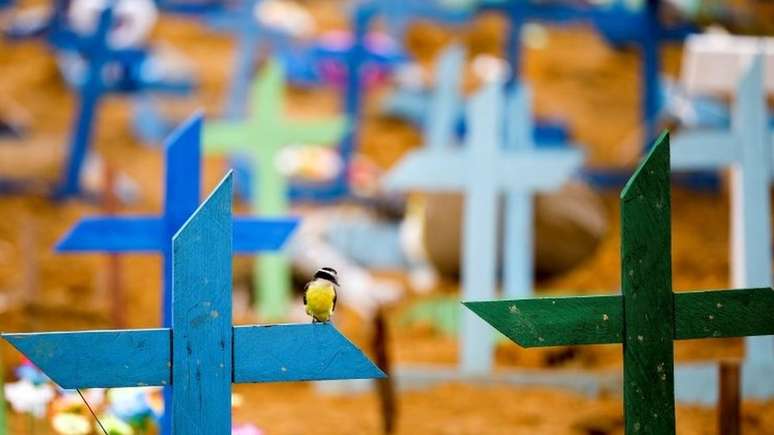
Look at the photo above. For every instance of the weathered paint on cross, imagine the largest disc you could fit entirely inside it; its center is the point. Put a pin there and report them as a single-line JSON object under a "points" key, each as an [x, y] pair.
{"points": [[152, 234], [483, 169], [202, 354], [261, 138], [747, 150], [96, 50], [647, 317]]}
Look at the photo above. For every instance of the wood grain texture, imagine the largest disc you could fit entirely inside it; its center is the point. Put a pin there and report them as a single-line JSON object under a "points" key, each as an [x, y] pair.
{"points": [[91, 359], [555, 321], [599, 319], [201, 319], [646, 281], [297, 352]]}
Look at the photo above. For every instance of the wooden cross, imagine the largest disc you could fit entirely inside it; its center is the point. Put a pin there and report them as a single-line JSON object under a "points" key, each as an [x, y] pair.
{"points": [[482, 170], [252, 36], [747, 150], [98, 53], [260, 138], [648, 316], [146, 234], [618, 24], [202, 354]]}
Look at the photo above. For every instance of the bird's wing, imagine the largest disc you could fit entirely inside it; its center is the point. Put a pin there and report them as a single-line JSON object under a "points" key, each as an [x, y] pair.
{"points": [[306, 288], [335, 296]]}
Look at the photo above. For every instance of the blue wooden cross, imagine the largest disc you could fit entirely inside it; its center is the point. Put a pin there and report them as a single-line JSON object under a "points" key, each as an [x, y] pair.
{"points": [[747, 149], [482, 170], [355, 57], [252, 37], [202, 353], [618, 24], [96, 83]]}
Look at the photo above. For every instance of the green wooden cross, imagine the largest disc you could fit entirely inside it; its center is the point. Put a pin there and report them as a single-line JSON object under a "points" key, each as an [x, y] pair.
{"points": [[260, 138], [648, 316]]}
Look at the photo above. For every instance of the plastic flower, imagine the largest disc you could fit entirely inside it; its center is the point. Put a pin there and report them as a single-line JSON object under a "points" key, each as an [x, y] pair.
{"points": [[27, 397], [246, 429], [65, 423]]}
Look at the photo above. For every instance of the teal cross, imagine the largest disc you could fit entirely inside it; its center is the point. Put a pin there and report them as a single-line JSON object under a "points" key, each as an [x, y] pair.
{"points": [[261, 138], [648, 316], [202, 354]]}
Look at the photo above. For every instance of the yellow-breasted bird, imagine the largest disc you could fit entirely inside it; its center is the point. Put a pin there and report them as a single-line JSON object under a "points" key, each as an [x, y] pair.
{"points": [[321, 293]]}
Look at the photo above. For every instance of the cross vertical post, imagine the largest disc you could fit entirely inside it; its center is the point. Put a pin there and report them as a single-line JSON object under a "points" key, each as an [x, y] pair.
{"points": [[643, 318], [483, 169], [261, 137], [202, 354], [152, 234], [746, 150], [646, 284]]}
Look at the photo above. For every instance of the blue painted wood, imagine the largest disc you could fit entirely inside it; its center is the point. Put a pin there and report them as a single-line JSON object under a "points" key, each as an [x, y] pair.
{"points": [[297, 352], [747, 149], [200, 354], [93, 359], [146, 234], [491, 162], [201, 318], [446, 100], [619, 23], [140, 357]]}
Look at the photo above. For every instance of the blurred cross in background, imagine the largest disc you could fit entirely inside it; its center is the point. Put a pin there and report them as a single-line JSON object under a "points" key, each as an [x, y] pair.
{"points": [[260, 138]]}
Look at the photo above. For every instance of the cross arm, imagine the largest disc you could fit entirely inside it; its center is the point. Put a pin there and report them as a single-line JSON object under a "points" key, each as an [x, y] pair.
{"points": [[703, 149], [225, 137], [265, 234], [142, 357], [445, 170], [322, 131], [599, 319], [114, 234]]}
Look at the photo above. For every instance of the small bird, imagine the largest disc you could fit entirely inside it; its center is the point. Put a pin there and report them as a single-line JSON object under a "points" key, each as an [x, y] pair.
{"points": [[320, 294]]}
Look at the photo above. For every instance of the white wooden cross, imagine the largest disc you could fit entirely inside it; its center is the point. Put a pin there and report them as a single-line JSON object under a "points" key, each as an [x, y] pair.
{"points": [[486, 166], [747, 149]]}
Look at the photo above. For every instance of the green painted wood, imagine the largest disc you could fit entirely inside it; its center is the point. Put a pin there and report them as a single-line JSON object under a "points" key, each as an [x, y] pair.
{"points": [[555, 321], [648, 316], [724, 313], [646, 284], [260, 138], [3, 406], [599, 319]]}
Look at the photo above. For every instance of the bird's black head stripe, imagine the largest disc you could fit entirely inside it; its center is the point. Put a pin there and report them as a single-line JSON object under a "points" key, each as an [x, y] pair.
{"points": [[324, 274]]}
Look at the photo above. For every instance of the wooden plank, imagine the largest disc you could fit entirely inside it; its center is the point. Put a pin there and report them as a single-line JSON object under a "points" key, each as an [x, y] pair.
{"points": [[555, 321], [446, 99], [724, 313], [599, 319], [144, 234], [201, 319], [114, 234], [297, 352], [479, 233], [94, 359], [266, 234], [729, 399], [750, 201], [182, 178], [646, 278], [703, 149]]}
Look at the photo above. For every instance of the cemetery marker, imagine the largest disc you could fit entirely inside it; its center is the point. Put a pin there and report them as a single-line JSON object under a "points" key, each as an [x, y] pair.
{"points": [[261, 138], [648, 316], [202, 354], [482, 169]]}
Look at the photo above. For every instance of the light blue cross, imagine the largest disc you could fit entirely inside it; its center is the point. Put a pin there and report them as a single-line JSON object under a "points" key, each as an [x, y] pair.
{"points": [[202, 354], [745, 148], [493, 161]]}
